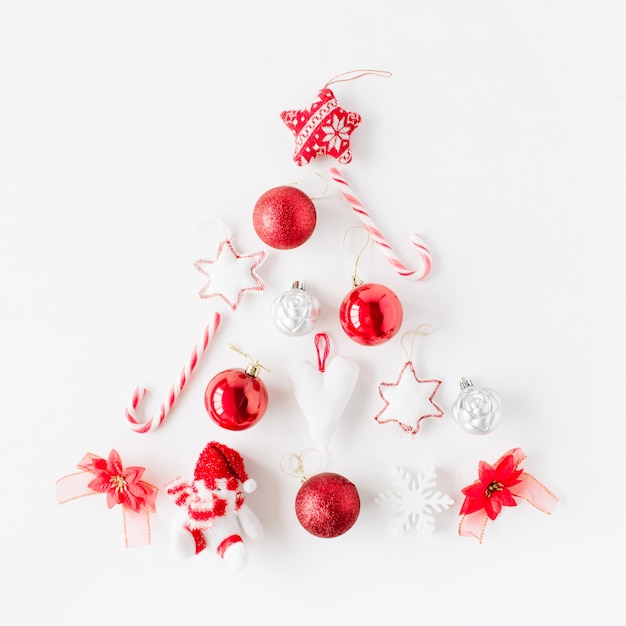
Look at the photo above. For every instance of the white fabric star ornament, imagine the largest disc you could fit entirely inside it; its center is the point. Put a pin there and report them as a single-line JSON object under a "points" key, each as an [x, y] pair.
{"points": [[231, 274], [409, 400], [412, 501]]}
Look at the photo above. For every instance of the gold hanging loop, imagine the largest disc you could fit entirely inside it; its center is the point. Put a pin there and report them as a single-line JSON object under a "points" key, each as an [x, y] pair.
{"points": [[356, 281], [319, 195], [294, 464], [421, 330], [254, 367]]}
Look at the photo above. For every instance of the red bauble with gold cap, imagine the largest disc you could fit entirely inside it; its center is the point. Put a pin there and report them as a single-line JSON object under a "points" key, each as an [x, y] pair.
{"points": [[236, 399]]}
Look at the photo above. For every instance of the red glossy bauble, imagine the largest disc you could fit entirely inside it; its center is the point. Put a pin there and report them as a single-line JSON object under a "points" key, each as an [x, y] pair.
{"points": [[371, 314], [284, 217], [235, 400], [327, 505]]}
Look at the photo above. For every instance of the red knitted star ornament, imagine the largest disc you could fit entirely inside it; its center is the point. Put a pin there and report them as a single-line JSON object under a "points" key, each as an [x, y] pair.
{"points": [[322, 128]]}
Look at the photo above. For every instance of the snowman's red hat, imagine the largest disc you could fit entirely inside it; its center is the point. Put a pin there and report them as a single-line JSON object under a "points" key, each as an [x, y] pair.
{"points": [[218, 461]]}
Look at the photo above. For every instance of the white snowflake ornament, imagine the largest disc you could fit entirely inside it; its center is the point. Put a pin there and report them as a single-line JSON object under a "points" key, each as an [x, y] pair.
{"points": [[412, 501]]}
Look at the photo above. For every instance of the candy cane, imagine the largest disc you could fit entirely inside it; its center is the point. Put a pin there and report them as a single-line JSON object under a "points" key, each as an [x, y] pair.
{"points": [[378, 237], [188, 370]]}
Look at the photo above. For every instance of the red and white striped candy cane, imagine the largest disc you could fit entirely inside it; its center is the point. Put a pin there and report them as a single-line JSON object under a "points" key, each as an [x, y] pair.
{"points": [[373, 230], [164, 409]]}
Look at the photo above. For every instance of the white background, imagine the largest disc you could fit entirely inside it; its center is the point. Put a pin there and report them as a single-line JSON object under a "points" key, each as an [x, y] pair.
{"points": [[499, 137]]}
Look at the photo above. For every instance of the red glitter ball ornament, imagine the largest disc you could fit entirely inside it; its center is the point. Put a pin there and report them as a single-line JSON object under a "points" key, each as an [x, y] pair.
{"points": [[327, 505], [236, 399], [371, 314], [284, 217]]}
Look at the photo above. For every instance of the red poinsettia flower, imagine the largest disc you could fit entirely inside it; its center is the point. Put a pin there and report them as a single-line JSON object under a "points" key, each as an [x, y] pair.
{"points": [[491, 491], [122, 485]]}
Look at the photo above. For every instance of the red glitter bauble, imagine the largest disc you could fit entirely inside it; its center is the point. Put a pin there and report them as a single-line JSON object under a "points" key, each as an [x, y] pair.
{"points": [[327, 505], [284, 217], [371, 314], [235, 400]]}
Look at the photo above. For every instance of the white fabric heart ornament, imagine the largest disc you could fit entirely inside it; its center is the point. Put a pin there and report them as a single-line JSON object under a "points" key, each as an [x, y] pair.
{"points": [[323, 392]]}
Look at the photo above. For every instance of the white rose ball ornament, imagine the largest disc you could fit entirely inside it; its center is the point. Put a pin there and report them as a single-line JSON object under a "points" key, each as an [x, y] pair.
{"points": [[295, 311], [477, 410]]}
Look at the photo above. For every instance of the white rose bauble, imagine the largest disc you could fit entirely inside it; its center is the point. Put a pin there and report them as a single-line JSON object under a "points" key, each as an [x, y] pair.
{"points": [[295, 311], [477, 410]]}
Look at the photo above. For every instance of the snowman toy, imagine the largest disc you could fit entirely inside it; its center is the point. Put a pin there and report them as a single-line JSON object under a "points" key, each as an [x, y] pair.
{"points": [[213, 513]]}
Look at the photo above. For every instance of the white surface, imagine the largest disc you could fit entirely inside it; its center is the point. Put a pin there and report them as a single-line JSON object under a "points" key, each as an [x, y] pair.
{"points": [[499, 137]]}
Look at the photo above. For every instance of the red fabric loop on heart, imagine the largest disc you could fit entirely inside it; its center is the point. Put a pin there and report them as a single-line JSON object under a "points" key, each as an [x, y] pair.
{"points": [[321, 357]]}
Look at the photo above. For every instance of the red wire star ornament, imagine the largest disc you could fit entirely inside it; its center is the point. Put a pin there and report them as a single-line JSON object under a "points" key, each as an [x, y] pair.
{"points": [[322, 128], [406, 404], [231, 274]]}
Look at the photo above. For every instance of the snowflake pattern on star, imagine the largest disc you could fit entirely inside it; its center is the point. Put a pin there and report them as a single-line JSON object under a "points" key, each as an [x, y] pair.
{"points": [[323, 128], [231, 274], [412, 501], [406, 402]]}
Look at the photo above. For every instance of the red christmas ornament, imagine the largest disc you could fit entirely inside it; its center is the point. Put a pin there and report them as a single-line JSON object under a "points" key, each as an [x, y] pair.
{"points": [[371, 314], [322, 128], [236, 399], [327, 505], [284, 217]]}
